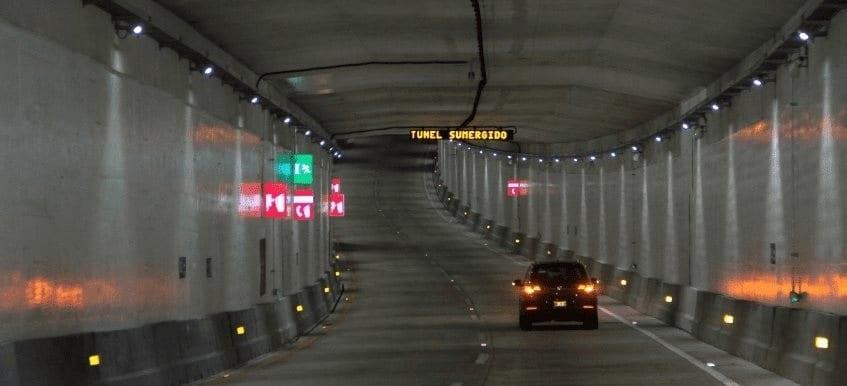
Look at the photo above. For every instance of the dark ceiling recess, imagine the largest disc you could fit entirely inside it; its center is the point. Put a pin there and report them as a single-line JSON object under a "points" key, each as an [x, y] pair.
{"points": [[360, 64], [484, 78]]}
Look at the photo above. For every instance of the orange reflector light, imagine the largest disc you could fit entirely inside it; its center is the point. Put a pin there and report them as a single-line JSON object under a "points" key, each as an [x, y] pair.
{"points": [[728, 319], [532, 308], [668, 299], [624, 282], [587, 288], [240, 330], [94, 360], [821, 342], [529, 290], [299, 308]]}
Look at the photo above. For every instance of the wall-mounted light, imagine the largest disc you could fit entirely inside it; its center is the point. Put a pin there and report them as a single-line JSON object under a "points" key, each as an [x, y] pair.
{"points": [[668, 299], [323, 142], [254, 100], [821, 342], [287, 120], [593, 158], [624, 282], [137, 29], [715, 107], [757, 82], [299, 308], [208, 70], [613, 154], [803, 35], [326, 290], [657, 138], [556, 160], [575, 160], [94, 360], [728, 319], [240, 330], [685, 126]]}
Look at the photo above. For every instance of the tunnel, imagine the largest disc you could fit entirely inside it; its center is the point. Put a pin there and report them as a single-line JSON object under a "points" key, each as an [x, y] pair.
{"points": [[465, 192]]}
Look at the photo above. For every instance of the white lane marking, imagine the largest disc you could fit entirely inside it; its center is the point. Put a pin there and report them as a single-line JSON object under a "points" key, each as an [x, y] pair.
{"points": [[715, 374], [481, 359]]}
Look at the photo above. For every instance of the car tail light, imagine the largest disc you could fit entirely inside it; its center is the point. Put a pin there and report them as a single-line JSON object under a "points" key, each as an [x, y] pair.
{"points": [[587, 288], [530, 289]]}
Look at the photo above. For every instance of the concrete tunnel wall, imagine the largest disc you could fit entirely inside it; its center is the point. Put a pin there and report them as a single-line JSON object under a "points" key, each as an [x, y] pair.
{"points": [[117, 161], [695, 215]]}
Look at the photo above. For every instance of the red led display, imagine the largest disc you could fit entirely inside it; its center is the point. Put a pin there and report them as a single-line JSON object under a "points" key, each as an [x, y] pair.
{"points": [[516, 188], [250, 200], [303, 204], [336, 205], [275, 199]]}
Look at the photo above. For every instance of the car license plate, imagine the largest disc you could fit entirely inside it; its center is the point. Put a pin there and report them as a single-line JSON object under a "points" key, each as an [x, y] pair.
{"points": [[560, 303]]}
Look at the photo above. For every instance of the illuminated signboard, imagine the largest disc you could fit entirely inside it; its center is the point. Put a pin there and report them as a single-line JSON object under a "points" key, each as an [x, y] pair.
{"points": [[303, 204], [336, 205], [253, 203], [489, 134], [335, 185], [250, 200], [275, 200], [516, 188], [296, 168]]}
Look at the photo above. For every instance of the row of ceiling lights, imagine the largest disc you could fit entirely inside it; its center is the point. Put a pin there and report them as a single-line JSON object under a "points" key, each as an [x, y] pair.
{"points": [[687, 123], [208, 70]]}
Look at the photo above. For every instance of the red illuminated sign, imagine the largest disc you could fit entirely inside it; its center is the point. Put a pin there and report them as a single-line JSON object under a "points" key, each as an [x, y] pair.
{"points": [[250, 200], [275, 196], [336, 205], [303, 204], [335, 184], [515, 188]]}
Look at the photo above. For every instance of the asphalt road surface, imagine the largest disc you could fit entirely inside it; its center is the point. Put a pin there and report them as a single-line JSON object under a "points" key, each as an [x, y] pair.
{"points": [[429, 303]]}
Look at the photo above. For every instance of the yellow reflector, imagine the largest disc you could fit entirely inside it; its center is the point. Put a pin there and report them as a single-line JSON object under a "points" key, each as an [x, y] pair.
{"points": [[623, 282], [517, 241], [337, 273], [240, 330], [728, 319], [326, 290], [821, 342], [488, 227], [549, 253], [299, 308], [668, 299], [466, 213], [337, 257], [94, 360]]}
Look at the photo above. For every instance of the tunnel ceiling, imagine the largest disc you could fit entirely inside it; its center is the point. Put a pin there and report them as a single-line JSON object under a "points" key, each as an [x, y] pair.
{"points": [[557, 70]]}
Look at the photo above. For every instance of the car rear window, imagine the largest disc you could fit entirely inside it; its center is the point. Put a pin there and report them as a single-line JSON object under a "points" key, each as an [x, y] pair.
{"points": [[558, 274]]}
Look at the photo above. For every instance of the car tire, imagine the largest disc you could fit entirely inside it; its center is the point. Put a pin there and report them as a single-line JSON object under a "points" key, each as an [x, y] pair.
{"points": [[524, 323], [591, 322]]}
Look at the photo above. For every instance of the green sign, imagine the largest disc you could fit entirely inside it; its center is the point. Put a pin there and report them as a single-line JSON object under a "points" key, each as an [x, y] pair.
{"points": [[296, 168]]}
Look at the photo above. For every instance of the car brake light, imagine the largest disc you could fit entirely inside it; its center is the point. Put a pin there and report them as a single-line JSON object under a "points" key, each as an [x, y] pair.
{"points": [[587, 288], [530, 289]]}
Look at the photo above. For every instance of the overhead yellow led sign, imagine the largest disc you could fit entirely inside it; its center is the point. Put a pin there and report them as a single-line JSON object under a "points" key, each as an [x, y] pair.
{"points": [[492, 134]]}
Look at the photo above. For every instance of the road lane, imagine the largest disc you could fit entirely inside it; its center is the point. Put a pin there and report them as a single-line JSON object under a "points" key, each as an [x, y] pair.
{"points": [[432, 304]]}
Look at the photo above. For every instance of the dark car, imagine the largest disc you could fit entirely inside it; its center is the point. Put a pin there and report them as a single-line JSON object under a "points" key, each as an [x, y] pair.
{"points": [[557, 291]]}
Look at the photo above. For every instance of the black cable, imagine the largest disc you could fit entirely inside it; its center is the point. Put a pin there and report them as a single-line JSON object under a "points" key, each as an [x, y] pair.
{"points": [[484, 78], [360, 64]]}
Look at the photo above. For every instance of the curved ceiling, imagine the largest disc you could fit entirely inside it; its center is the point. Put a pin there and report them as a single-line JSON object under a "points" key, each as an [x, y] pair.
{"points": [[558, 70]]}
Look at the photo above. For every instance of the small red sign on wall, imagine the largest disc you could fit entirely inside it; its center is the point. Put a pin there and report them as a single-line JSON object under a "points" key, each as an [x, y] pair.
{"points": [[336, 205], [335, 184], [303, 204], [250, 200], [275, 200], [515, 188]]}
